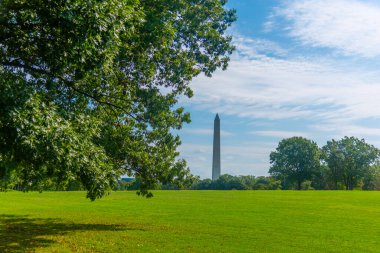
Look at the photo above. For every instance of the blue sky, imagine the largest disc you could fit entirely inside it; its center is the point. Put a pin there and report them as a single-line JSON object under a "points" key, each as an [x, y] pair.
{"points": [[306, 68]]}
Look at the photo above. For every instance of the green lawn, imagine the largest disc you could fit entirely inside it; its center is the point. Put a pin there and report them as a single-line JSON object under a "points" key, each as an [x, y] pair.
{"points": [[191, 221]]}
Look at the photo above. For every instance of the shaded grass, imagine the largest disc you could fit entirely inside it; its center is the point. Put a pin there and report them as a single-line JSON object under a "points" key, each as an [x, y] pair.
{"points": [[191, 221], [20, 233]]}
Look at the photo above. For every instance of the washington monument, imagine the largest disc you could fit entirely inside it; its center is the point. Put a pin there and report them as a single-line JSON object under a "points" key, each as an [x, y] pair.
{"points": [[216, 149]]}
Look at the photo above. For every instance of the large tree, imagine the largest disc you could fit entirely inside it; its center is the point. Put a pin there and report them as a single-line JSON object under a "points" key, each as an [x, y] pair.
{"points": [[295, 160], [333, 157], [349, 159], [89, 88]]}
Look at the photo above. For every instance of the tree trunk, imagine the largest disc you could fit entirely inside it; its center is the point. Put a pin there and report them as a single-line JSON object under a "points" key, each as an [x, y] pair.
{"points": [[346, 183], [335, 185]]}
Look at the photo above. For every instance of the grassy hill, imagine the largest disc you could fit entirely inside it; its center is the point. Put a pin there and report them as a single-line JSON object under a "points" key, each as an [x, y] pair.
{"points": [[191, 221]]}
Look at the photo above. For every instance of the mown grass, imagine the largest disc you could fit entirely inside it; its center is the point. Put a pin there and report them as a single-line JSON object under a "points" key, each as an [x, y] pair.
{"points": [[191, 221]]}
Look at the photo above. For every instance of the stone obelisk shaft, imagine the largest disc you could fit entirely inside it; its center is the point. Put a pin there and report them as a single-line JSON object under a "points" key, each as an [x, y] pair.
{"points": [[216, 149]]}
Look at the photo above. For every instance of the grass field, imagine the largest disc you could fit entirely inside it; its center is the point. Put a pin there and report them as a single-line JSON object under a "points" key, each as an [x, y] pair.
{"points": [[191, 221]]}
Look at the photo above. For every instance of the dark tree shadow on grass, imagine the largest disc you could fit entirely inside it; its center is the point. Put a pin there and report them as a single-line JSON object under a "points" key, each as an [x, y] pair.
{"points": [[23, 234]]}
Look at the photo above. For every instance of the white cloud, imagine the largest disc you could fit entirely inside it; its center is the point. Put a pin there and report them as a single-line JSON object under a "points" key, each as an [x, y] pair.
{"points": [[253, 48], [205, 131], [348, 130], [351, 26], [270, 23], [271, 88], [280, 134]]}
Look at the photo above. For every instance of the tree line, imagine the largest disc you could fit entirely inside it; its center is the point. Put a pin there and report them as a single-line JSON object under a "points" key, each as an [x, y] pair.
{"points": [[228, 182], [340, 164], [298, 163], [224, 182]]}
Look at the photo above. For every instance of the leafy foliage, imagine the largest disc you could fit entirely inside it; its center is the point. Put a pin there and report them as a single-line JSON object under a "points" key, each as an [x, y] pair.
{"points": [[89, 88], [372, 178], [349, 159], [296, 159], [347, 163], [228, 182]]}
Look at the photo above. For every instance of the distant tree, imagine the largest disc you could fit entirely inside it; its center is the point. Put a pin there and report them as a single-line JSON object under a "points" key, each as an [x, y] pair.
{"points": [[169, 187], [228, 182], [266, 183], [204, 184], [371, 179], [295, 160], [349, 159], [248, 181], [322, 179], [307, 185], [333, 156], [135, 184]]}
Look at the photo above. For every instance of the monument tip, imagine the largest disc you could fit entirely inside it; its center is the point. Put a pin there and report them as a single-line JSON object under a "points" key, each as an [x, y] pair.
{"points": [[217, 116]]}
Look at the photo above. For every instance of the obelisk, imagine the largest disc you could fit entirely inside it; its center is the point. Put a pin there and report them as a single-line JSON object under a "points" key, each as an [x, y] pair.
{"points": [[216, 149]]}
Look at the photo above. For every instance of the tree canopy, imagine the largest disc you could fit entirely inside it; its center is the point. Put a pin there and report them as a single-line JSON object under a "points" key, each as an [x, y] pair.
{"points": [[349, 159], [89, 89], [295, 160], [347, 163], [228, 182]]}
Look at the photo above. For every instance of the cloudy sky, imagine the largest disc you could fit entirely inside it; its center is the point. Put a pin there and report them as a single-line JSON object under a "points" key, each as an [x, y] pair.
{"points": [[306, 68]]}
